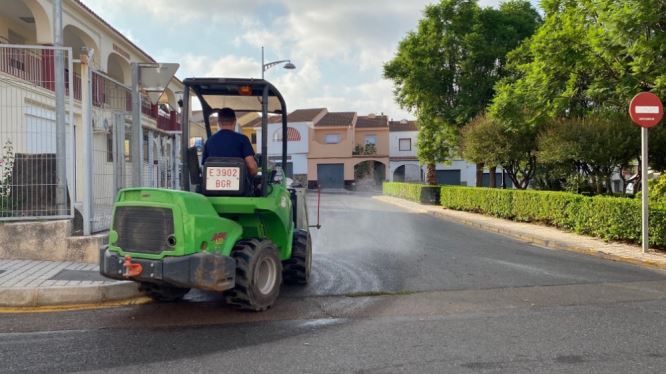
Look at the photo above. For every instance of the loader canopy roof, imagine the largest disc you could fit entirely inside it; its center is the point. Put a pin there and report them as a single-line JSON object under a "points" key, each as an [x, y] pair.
{"points": [[239, 94]]}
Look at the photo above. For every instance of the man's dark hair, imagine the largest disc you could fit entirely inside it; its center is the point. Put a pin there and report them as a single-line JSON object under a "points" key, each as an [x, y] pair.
{"points": [[226, 115]]}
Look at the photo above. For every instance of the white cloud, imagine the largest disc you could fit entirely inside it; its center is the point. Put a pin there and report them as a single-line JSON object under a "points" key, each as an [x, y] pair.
{"points": [[176, 11], [228, 66], [357, 36]]}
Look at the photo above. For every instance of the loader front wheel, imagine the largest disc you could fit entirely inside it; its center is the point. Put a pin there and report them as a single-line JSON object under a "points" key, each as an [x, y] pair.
{"points": [[258, 275]]}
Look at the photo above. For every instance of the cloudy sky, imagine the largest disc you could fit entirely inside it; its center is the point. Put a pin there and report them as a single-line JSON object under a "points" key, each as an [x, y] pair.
{"points": [[338, 47]]}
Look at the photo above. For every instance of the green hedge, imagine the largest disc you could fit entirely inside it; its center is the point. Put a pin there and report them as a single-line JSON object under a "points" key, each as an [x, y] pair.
{"points": [[419, 193], [609, 218]]}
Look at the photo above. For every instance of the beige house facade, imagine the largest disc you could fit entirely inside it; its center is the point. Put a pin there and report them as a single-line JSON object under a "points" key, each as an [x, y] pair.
{"points": [[27, 84], [342, 144]]}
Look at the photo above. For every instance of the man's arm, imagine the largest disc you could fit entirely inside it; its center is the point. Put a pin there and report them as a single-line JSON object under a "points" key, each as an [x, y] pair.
{"points": [[251, 165], [248, 155]]}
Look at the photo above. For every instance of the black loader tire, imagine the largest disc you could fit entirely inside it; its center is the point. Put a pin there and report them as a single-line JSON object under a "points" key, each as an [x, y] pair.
{"points": [[163, 292], [258, 275], [297, 269]]}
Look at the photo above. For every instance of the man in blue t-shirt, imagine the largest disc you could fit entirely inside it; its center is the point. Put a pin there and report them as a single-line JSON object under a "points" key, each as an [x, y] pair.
{"points": [[228, 143]]}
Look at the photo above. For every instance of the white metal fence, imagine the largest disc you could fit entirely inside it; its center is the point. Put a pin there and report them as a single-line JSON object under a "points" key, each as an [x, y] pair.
{"points": [[28, 156], [112, 152], [27, 140]]}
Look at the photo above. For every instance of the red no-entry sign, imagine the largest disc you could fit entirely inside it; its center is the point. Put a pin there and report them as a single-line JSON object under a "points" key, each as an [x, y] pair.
{"points": [[646, 109]]}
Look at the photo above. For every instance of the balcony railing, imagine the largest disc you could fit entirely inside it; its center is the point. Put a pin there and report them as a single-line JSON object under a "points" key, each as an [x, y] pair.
{"points": [[37, 67]]}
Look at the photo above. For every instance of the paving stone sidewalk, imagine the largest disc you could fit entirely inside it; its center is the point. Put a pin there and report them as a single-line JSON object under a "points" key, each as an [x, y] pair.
{"points": [[540, 235], [25, 283]]}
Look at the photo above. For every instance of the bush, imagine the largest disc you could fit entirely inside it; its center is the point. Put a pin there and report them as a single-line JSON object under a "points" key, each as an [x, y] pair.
{"points": [[419, 193], [609, 218]]}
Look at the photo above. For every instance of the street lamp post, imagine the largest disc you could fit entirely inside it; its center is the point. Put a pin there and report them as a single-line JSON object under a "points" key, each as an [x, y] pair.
{"points": [[268, 65]]}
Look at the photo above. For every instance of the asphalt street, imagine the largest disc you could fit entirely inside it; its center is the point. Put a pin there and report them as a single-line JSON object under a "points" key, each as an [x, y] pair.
{"points": [[392, 291]]}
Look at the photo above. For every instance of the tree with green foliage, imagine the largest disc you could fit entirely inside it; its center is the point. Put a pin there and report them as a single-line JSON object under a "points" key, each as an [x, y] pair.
{"points": [[589, 58], [589, 55], [448, 67], [593, 147], [487, 141], [434, 144]]}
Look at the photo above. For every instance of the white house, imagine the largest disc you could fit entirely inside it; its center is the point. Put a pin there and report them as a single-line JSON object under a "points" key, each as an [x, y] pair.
{"points": [[27, 119], [403, 164], [299, 122]]}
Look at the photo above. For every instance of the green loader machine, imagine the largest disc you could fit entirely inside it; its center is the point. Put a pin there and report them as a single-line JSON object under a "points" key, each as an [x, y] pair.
{"points": [[225, 231]]}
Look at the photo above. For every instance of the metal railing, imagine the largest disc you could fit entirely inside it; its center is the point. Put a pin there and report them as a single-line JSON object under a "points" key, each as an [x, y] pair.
{"points": [[28, 155], [27, 140]]}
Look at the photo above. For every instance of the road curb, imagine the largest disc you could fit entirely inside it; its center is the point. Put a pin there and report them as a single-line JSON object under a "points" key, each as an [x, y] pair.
{"points": [[540, 241], [62, 296]]}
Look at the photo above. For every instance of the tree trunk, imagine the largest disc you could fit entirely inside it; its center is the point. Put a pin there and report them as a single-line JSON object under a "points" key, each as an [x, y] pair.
{"points": [[431, 175], [479, 174], [492, 181]]}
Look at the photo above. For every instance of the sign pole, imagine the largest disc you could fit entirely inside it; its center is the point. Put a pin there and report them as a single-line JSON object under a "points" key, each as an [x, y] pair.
{"points": [[644, 188], [646, 110]]}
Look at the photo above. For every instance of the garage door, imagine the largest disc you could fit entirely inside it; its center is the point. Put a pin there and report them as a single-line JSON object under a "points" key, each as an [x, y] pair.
{"points": [[331, 175], [448, 177]]}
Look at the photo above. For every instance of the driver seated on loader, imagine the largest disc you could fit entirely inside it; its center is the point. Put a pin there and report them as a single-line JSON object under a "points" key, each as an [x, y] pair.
{"points": [[229, 143], [229, 148]]}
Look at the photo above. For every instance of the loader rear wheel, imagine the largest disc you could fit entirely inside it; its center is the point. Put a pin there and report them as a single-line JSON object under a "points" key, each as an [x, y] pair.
{"points": [[258, 275], [163, 292], [297, 269]]}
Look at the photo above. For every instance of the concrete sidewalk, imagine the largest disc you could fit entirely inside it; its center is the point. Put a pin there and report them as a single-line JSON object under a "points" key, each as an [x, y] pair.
{"points": [[543, 236], [25, 283]]}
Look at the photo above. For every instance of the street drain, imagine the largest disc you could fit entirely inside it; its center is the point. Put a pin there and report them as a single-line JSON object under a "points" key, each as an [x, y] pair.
{"points": [[79, 275]]}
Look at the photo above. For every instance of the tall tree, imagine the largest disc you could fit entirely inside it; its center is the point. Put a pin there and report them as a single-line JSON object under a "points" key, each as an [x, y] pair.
{"points": [[488, 141], [447, 68], [587, 55], [435, 144], [594, 146]]}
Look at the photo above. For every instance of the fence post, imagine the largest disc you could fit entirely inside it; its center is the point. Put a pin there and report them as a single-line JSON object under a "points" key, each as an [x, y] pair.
{"points": [[175, 150], [118, 152], [86, 122], [151, 159], [137, 130], [61, 145]]}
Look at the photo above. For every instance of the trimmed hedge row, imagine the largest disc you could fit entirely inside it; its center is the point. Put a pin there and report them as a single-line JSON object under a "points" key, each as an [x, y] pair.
{"points": [[419, 193], [609, 218]]}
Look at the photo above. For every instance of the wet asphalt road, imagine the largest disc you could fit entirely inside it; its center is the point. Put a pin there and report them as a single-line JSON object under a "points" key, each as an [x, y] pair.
{"points": [[392, 291]]}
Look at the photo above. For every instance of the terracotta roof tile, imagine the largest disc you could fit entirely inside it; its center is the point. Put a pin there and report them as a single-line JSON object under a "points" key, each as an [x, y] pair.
{"points": [[304, 115], [337, 119], [403, 125], [257, 121], [372, 121]]}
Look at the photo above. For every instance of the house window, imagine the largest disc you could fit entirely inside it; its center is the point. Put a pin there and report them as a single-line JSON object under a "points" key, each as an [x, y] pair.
{"points": [[128, 149], [371, 139], [109, 148], [332, 138], [405, 144], [145, 148], [254, 138], [292, 135]]}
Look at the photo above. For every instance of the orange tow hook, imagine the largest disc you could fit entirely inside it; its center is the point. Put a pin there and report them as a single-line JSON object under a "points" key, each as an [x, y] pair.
{"points": [[131, 269]]}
